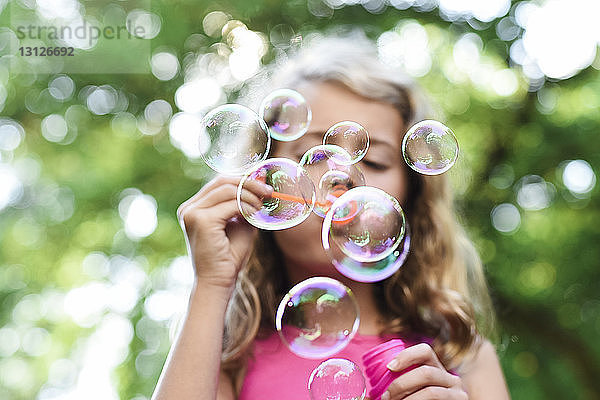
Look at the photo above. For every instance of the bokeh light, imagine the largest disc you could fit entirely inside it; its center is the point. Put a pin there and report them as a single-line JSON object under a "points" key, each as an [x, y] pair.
{"points": [[560, 38], [54, 128], [407, 47], [11, 189], [484, 11], [213, 23], [579, 177], [143, 24], [534, 193], [138, 212], [101, 100], [11, 134], [165, 65], [61, 88], [199, 95], [184, 132], [506, 218]]}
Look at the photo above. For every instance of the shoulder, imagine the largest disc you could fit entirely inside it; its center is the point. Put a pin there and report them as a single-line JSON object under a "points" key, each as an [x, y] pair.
{"points": [[482, 374]]}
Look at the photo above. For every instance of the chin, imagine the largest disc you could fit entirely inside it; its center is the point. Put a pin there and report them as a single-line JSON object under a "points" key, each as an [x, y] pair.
{"points": [[303, 251]]}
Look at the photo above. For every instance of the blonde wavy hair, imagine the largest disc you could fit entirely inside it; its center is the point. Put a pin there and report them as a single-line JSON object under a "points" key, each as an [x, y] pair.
{"points": [[441, 290]]}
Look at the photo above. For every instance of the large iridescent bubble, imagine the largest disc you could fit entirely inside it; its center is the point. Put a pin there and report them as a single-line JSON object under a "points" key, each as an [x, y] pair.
{"points": [[286, 113], [373, 271], [430, 147], [233, 138], [351, 136], [337, 378], [365, 223], [292, 199], [317, 318], [332, 173]]}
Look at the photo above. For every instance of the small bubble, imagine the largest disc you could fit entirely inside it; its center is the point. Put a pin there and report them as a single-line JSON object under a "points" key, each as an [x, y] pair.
{"points": [[337, 378], [290, 203], [350, 136], [331, 171], [286, 113], [234, 139], [430, 148]]}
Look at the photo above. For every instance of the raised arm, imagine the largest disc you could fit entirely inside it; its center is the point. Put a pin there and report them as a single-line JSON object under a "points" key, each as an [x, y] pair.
{"points": [[219, 244]]}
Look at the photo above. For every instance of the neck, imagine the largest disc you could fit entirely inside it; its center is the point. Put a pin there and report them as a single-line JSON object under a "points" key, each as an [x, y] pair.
{"points": [[363, 292]]}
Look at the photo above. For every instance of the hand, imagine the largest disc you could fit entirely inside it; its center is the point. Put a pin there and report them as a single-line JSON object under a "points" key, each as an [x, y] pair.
{"points": [[428, 381], [218, 238]]}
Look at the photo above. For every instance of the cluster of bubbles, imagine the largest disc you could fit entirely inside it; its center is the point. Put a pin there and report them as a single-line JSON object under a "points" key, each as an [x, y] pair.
{"points": [[331, 171], [365, 232]]}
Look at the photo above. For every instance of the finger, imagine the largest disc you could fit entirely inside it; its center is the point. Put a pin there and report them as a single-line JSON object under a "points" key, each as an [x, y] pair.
{"points": [[438, 393], [186, 213], [216, 217], [418, 354], [205, 195], [224, 193], [252, 192], [229, 209], [421, 377], [228, 192], [259, 188], [213, 183]]}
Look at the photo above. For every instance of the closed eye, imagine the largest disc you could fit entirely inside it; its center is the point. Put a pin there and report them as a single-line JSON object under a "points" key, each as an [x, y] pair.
{"points": [[375, 165]]}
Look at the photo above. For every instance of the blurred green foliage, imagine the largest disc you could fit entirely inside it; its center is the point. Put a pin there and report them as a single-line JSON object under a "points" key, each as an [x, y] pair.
{"points": [[64, 249]]}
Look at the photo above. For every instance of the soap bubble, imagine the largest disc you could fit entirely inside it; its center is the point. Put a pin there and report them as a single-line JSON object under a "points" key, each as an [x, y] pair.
{"points": [[337, 379], [365, 224], [350, 136], [430, 147], [286, 113], [292, 199], [332, 174], [373, 271], [233, 138], [317, 318]]}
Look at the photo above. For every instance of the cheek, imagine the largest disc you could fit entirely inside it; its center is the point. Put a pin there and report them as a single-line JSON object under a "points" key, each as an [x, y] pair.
{"points": [[393, 182], [307, 235]]}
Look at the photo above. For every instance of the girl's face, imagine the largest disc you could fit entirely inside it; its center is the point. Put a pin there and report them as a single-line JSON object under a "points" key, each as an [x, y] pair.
{"points": [[382, 166]]}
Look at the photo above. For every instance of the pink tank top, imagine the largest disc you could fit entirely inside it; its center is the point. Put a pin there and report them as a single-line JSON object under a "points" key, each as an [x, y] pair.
{"points": [[277, 373]]}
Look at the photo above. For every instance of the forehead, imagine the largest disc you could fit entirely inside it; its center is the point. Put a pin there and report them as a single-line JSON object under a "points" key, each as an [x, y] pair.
{"points": [[331, 103]]}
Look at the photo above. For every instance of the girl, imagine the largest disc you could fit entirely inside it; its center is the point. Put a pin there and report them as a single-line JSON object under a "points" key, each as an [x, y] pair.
{"points": [[437, 302]]}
